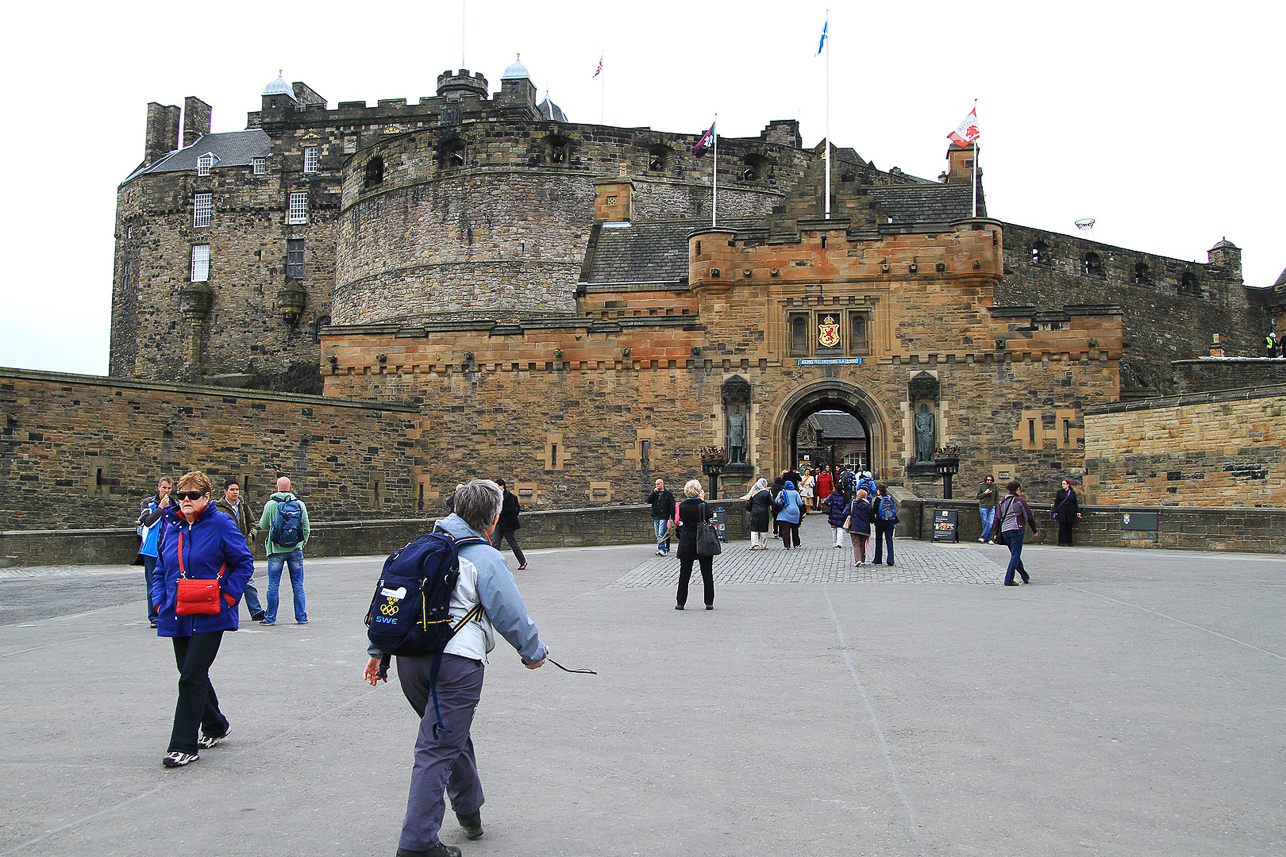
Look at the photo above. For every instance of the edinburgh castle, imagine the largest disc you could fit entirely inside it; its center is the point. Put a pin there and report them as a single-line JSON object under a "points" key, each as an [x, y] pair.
{"points": [[384, 300]]}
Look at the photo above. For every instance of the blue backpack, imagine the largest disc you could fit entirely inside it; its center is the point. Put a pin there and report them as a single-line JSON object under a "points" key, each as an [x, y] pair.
{"points": [[888, 510], [410, 613], [288, 527]]}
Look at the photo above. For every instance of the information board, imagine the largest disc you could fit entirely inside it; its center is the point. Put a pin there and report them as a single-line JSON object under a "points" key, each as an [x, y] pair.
{"points": [[945, 525], [720, 522]]}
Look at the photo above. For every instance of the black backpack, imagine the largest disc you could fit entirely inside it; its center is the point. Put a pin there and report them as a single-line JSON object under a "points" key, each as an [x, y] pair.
{"points": [[410, 613]]}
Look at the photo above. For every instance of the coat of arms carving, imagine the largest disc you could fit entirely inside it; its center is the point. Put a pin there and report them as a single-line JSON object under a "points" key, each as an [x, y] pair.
{"points": [[828, 332]]}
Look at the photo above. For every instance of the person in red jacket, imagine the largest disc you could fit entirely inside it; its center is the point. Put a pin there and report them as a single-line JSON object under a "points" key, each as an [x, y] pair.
{"points": [[825, 485], [197, 541]]}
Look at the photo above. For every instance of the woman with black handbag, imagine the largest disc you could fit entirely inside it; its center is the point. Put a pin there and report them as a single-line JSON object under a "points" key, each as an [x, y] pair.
{"points": [[1067, 511], [202, 568], [692, 513]]}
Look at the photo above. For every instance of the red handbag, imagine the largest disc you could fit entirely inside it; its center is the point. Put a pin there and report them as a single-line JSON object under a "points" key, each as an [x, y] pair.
{"points": [[197, 596]]}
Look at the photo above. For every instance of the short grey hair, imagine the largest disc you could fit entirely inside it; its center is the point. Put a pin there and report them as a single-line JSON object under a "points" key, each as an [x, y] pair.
{"points": [[478, 503]]}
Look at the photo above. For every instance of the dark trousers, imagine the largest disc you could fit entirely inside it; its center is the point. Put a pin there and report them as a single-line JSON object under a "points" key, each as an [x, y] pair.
{"points": [[510, 536], [884, 537], [198, 706], [789, 533], [445, 761], [1066, 523], [707, 576]]}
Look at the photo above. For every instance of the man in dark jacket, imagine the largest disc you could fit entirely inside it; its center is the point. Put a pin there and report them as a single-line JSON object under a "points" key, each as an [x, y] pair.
{"points": [[507, 528], [233, 505], [662, 502]]}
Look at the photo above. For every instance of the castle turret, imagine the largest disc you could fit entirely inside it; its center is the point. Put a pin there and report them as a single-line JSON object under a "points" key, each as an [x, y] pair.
{"points": [[278, 94], [516, 88], [960, 164], [461, 84], [1226, 255]]}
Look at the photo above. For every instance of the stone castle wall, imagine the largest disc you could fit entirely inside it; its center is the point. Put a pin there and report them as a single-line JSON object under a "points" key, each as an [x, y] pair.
{"points": [[1223, 448], [82, 451], [1165, 318]]}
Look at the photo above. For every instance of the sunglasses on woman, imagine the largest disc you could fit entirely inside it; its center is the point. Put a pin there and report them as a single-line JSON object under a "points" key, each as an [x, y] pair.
{"points": [[189, 495]]}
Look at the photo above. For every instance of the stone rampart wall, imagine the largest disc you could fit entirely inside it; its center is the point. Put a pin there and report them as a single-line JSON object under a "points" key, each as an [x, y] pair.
{"points": [[82, 451], [1223, 448], [1213, 374]]}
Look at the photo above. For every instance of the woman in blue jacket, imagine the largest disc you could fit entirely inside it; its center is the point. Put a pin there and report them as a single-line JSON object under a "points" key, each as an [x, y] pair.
{"points": [[792, 506], [860, 515], [198, 541]]}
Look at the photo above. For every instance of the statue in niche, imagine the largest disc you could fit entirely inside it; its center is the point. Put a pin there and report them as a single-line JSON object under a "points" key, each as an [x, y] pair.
{"points": [[736, 436], [924, 435]]}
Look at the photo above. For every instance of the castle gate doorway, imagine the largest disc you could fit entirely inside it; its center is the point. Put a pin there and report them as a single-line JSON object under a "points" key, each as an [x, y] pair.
{"points": [[832, 423]]}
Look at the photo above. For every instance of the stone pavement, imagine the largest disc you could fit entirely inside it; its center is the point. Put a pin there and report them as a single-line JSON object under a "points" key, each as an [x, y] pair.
{"points": [[1126, 703]]}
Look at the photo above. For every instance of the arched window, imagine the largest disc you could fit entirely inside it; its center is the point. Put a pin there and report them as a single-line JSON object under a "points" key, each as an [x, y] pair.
{"points": [[558, 148], [374, 171], [1188, 284], [658, 157], [753, 168], [1142, 274], [1093, 264], [453, 154], [1040, 253]]}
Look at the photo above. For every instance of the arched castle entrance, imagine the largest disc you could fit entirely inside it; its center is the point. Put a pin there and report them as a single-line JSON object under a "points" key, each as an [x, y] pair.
{"points": [[829, 395]]}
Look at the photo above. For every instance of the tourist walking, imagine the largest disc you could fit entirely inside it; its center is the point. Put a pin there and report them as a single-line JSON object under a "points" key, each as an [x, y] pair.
{"points": [[790, 510], [825, 484], [860, 515], [885, 521], [507, 526], [987, 496], [198, 543], [807, 488], [1067, 511], [836, 512], [692, 512], [1014, 516], [759, 505]]}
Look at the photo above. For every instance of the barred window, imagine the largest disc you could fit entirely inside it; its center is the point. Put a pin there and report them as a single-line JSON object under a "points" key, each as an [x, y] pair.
{"points": [[258, 166], [202, 208], [295, 259], [310, 159], [204, 163], [298, 210], [200, 263]]}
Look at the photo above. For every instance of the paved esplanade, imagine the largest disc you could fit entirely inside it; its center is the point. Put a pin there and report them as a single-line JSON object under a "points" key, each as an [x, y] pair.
{"points": [[1126, 703]]}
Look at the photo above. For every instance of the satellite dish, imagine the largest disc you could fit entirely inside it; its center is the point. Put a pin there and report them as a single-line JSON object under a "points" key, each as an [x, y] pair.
{"points": [[1085, 224]]}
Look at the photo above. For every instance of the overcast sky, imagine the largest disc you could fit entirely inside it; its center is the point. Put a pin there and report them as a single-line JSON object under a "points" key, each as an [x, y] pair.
{"points": [[1164, 121]]}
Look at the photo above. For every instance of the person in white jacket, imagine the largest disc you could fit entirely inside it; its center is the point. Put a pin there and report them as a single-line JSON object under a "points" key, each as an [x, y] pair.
{"points": [[444, 757]]}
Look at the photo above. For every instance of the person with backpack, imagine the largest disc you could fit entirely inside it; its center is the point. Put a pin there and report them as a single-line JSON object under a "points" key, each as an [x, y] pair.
{"points": [[446, 695], [886, 521], [285, 519]]}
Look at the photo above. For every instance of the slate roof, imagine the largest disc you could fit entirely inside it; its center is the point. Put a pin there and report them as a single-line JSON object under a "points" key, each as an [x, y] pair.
{"points": [[655, 252], [551, 111], [1281, 281], [837, 425], [232, 149], [925, 203]]}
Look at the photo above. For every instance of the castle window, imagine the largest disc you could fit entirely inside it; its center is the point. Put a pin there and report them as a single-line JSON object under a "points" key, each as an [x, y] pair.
{"points": [[453, 153], [1142, 274], [1188, 284], [297, 212], [204, 163], [202, 209], [657, 157], [374, 171], [200, 263], [1093, 264], [753, 169], [295, 259], [258, 166], [310, 159], [1040, 253]]}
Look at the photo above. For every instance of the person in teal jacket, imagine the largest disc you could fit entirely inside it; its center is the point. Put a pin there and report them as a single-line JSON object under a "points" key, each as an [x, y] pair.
{"points": [[198, 541], [285, 544]]}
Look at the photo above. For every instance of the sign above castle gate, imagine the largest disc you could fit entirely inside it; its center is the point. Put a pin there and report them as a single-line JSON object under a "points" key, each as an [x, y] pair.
{"points": [[829, 361]]}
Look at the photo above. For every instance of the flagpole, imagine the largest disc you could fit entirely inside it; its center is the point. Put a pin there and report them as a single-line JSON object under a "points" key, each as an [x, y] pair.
{"points": [[828, 115], [463, 4], [976, 150], [714, 208], [602, 93]]}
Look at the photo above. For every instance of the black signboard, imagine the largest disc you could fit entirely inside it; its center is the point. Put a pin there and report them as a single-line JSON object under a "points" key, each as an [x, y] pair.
{"points": [[720, 522], [1144, 521], [945, 523]]}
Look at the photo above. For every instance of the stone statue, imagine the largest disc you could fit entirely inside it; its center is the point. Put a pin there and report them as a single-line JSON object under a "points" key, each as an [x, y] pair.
{"points": [[924, 435], [736, 436]]}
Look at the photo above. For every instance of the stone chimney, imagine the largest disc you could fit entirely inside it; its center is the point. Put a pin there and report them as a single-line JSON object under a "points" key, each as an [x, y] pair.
{"points": [[196, 119], [614, 199], [960, 164], [1226, 255], [162, 131]]}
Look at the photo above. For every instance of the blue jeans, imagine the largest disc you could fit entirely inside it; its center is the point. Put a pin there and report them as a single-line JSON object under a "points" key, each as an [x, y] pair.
{"points": [[295, 560], [1014, 539], [660, 525], [149, 572], [988, 516]]}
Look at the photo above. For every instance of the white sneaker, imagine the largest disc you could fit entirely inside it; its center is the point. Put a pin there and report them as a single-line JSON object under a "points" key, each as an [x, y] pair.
{"points": [[205, 742], [175, 759]]}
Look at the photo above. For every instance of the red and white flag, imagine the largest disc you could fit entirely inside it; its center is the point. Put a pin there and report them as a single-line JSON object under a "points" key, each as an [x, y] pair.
{"points": [[967, 131]]}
